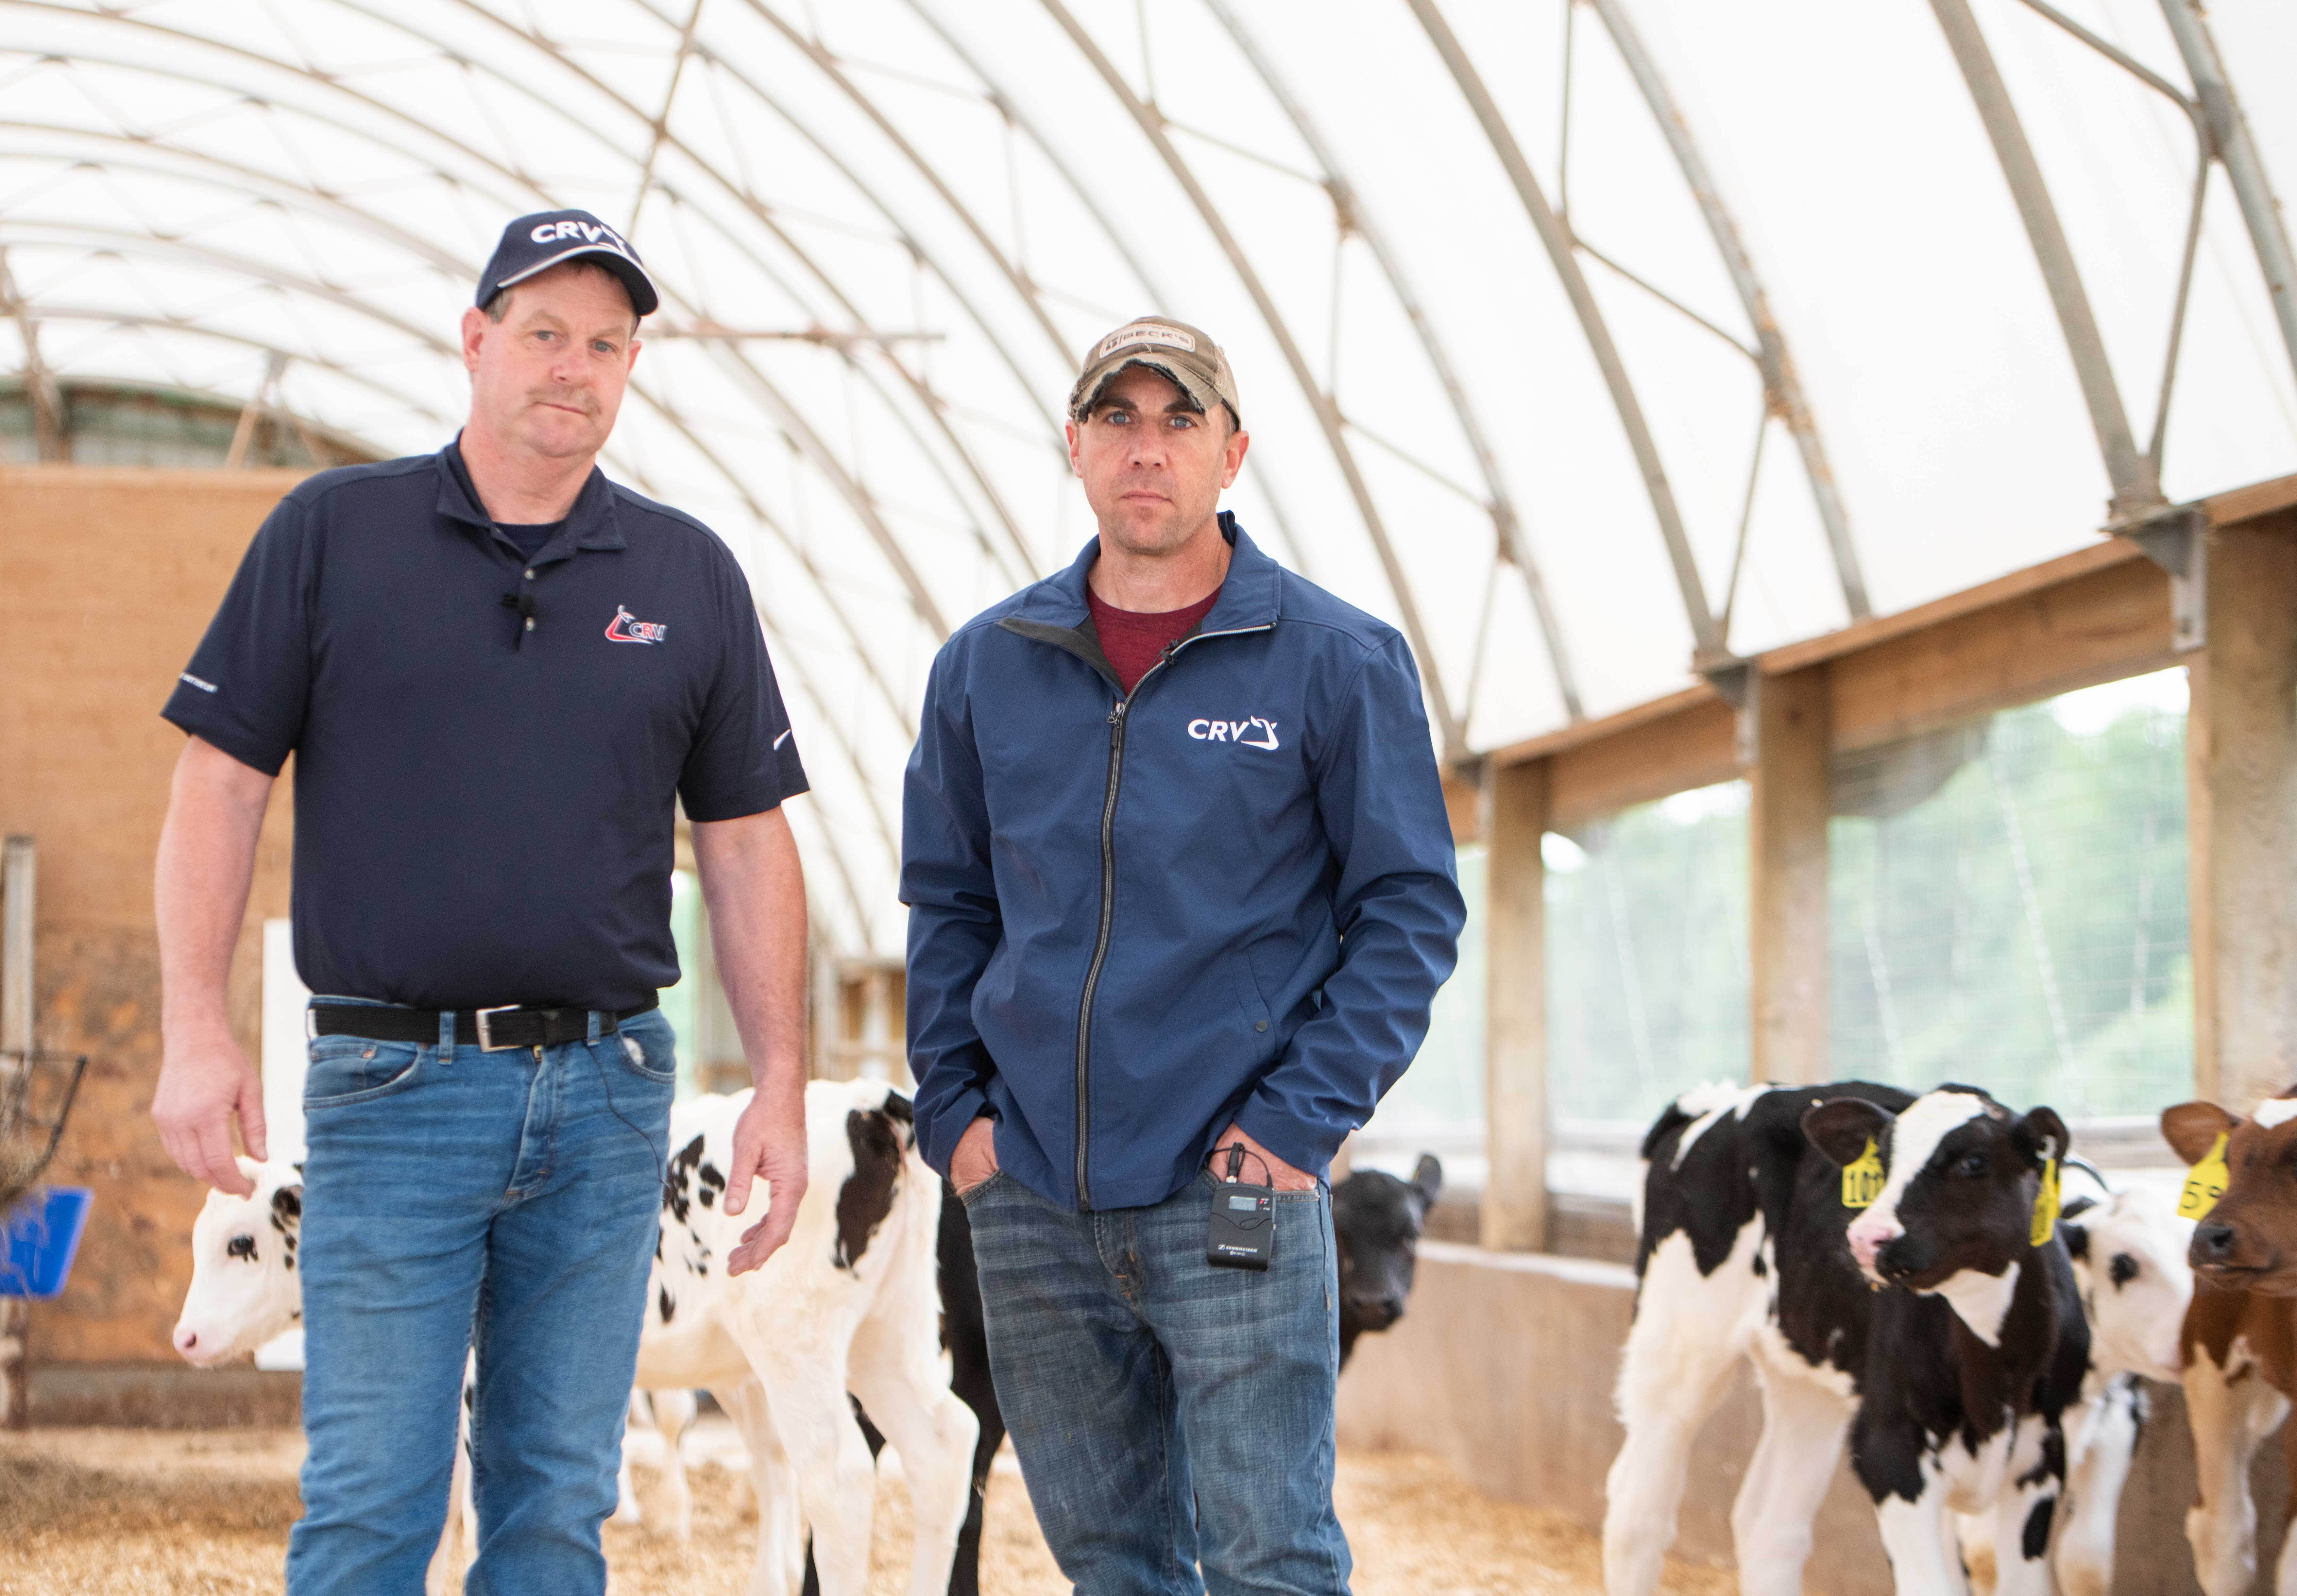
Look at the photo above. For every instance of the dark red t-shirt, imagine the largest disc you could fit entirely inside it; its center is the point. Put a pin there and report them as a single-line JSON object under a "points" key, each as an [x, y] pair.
{"points": [[1133, 638]]}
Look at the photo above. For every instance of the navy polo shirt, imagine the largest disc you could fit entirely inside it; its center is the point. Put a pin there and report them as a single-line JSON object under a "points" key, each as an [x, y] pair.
{"points": [[488, 746]]}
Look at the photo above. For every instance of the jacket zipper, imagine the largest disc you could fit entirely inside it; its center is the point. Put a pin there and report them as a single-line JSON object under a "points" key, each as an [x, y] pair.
{"points": [[1116, 723]]}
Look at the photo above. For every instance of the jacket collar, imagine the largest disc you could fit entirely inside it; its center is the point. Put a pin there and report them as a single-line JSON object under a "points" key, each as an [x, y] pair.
{"points": [[591, 523], [1250, 594]]}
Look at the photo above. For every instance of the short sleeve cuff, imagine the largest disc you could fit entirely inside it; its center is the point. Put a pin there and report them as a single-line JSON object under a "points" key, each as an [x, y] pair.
{"points": [[755, 800], [189, 710]]}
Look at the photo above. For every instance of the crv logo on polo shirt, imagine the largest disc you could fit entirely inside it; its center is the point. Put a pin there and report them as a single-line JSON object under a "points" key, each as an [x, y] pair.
{"points": [[1263, 732], [624, 628]]}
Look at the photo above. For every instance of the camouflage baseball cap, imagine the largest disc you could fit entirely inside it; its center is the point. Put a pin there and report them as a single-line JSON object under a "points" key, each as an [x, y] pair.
{"points": [[1172, 349]]}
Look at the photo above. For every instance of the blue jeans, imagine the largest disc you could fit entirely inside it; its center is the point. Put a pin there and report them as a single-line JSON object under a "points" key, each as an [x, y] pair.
{"points": [[452, 1199], [1167, 1412]]}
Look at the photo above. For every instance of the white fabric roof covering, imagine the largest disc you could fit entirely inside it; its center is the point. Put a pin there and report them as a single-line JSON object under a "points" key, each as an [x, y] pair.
{"points": [[187, 187]]}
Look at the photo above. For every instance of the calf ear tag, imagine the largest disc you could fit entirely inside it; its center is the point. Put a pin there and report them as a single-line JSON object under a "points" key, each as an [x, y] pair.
{"points": [[2205, 1182], [2045, 1205], [1862, 1178]]}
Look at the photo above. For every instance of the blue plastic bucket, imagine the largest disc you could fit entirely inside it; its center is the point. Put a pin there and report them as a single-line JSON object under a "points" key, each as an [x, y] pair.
{"points": [[43, 1236]]}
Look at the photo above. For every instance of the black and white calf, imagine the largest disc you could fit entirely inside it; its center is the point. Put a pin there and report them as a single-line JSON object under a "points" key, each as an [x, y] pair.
{"points": [[1376, 1219], [852, 1302], [1927, 1327]]}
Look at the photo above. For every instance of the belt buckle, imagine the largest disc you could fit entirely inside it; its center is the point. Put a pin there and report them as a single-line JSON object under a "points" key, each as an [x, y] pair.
{"points": [[487, 1043]]}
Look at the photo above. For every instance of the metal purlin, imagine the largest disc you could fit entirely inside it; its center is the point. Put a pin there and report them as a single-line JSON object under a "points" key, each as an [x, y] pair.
{"points": [[1709, 649], [1783, 386], [1327, 413], [1501, 505]]}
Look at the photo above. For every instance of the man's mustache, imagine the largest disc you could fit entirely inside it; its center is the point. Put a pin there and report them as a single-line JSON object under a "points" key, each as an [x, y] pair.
{"points": [[573, 398]]}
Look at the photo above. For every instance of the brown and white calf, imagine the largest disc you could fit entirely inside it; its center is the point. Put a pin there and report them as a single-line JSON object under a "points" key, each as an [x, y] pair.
{"points": [[1928, 1328], [2240, 1341]]}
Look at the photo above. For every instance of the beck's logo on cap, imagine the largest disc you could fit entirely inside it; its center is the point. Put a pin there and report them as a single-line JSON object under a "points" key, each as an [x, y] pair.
{"points": [[1145, 332]]}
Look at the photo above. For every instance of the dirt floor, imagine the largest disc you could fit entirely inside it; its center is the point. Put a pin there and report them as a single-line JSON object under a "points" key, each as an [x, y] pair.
{"points": [[167, 1513]]}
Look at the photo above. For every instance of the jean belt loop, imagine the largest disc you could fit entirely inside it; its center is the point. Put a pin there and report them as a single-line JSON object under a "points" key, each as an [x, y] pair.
{"points": [[446, 1034], [598, 1026]]}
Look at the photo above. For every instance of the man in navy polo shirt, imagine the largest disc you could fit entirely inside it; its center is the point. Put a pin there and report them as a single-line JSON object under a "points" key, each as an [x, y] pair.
{"points": [[498, 671]]}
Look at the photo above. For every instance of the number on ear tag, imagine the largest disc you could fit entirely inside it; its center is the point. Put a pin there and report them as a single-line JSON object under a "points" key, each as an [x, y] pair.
{"points": [[1862, 1178], [2205, 1182], [2045, 1205]]}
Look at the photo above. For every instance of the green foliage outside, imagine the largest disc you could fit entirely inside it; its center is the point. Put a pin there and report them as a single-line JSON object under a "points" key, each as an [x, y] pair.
{"points": [[2023, 927], [2066, 979]]}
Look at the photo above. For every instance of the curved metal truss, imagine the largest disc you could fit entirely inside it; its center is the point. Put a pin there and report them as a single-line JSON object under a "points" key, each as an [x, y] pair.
{"points": [[883, 231]]}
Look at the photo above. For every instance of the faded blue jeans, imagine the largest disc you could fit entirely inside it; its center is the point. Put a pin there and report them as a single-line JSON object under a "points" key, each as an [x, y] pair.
{"points": [[1167, 1413], [452, 1199]]}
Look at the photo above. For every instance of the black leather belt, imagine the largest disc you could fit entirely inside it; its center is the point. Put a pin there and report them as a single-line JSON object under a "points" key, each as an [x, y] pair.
{"points": [[492, 1030]]}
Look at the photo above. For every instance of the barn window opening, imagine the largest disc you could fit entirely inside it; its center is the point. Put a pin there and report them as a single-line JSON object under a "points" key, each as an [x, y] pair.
{"points": [[2008, 903]]}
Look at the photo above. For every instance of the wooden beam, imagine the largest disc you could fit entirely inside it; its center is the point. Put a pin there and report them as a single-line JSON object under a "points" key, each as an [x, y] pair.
{"points": [[2241, 827], [1693, 748], [1515, 1010], [1787, 816], [1954, 606], [2109, 620], [1580, 733]]}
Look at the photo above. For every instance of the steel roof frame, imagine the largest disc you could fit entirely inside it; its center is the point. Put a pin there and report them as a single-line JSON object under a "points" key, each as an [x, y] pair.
{"points": [[1710, 651], [1500, 505], [1781, 385], [1328, 417]]}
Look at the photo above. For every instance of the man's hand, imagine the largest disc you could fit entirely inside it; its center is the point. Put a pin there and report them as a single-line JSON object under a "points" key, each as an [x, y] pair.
{"points": [[203, 1081], [975, 1158], [768, 1145], [206, 858], [1281, 1176]]}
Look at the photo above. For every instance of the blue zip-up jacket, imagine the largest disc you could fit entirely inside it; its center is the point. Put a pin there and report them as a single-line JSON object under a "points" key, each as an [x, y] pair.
{"points": [[1230, 896]]}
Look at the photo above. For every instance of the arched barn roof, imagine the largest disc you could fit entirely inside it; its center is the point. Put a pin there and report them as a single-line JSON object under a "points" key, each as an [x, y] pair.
{"points": [[1594, 344]]}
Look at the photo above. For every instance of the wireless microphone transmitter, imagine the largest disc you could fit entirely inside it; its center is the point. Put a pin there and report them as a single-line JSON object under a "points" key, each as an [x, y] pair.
{"points": [[1242, 1234]]}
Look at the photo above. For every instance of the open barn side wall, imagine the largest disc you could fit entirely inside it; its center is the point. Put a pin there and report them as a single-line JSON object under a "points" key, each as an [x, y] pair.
{"points": [[1504, 1367], [110, 577]]}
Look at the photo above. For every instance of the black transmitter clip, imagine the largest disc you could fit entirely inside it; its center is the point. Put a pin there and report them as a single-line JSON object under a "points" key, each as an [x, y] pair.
{"points": [[1242, 1230]]}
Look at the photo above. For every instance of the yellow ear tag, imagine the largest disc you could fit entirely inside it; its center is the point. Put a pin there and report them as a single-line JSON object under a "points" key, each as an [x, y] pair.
{"points": [[2205, 1182], [2045, 1205], [1862, 1178]]}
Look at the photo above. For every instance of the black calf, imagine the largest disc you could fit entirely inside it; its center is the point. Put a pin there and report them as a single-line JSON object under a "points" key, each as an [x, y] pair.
{"points": [[1376, 1219]]}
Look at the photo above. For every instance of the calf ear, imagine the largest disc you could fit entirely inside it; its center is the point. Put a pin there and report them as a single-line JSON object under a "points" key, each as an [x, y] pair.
{"points": [[2192, 1129], [1428, 1179], [2042, 1135], [1842, 1128]]}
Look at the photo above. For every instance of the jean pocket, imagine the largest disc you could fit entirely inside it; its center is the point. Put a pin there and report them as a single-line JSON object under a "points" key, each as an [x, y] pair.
{"points": [[1314, 1193], [357, 1069], [965, 1198], [649, 1051]]}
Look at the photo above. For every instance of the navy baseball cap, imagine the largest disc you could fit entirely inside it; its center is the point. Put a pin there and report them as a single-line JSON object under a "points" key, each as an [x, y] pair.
{"points": [[535, 243]]}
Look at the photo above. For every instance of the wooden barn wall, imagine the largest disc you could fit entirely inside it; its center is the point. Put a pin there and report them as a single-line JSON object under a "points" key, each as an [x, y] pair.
{"points": [[110, 577]]}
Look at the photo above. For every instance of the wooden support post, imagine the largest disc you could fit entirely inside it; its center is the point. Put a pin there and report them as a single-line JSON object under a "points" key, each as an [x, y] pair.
{"points": [[1515, 1009], [2241, 776], [1784, 747]]}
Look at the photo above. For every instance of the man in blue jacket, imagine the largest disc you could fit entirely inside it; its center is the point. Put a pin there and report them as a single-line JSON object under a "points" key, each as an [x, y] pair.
{"points": [[1181, 888]]}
